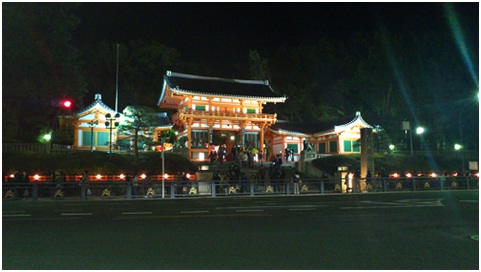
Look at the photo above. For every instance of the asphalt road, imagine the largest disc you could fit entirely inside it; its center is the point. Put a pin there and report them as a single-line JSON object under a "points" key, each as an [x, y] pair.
{"points": [[420, 230]]}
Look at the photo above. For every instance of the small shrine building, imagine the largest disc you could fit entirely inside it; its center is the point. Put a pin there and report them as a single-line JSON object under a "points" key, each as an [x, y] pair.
{"points": [[340, 136], [90, 131]]}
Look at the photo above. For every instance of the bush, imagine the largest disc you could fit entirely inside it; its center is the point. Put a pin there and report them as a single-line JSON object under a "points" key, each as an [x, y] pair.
{"points": [[94, 162], [392, 163]]}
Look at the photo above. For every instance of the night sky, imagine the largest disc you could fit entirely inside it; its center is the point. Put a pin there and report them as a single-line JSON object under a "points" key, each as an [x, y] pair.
{"points": [[225, 32]]}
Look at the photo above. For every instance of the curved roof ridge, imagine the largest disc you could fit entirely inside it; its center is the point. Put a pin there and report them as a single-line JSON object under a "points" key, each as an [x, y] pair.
{"points": [[97, 101], [191, 76]]}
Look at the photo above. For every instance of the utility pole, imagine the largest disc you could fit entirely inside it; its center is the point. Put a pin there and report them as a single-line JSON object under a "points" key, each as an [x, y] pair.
{"points": [[117, 82]]}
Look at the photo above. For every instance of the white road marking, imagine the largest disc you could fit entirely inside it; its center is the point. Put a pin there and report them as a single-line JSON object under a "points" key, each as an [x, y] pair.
{"points": [[130, 213], [469, 201], [16, 215], [271, 207], [75, 214], [194, 211], [249, 210], [306, 209], [13, 212]]}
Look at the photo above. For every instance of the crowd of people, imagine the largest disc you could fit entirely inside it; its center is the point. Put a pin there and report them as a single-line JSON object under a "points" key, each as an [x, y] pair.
{"points": [[243, 156]]}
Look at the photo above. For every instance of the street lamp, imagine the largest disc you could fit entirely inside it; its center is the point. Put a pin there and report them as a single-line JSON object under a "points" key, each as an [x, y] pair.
{"points": [[391, 147], [110, 126], [420, 131], [92, 124], [458, 147]]}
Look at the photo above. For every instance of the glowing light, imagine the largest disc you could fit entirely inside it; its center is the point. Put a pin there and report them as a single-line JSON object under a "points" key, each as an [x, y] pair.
{"points": [[391, 147], [457, 146], [433, 175], [47, 137], [122, 176], [166, 176], [36, 177], [420, 130], [99, 176], [143, 176], [12, 175], [67, 103], [396, 175], [188, 175], [409, 175], [477, 174], [232, 137]]}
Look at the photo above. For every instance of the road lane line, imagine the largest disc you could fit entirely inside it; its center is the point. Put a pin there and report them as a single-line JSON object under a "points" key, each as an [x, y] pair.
{"points": [[131, 213], [194, 211], [271, 207], [239, 211], [13, 212], [75, 214], [469, 201], [305, 209], [192, 216], [16, 215]]}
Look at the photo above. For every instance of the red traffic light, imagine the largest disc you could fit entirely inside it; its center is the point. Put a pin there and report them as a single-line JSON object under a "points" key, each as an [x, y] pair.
{"points": [[67, 103]]}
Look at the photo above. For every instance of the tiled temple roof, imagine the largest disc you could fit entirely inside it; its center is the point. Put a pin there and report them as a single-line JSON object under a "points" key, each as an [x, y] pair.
{"points": [[222, 87], [97, 101], [316, 127]]}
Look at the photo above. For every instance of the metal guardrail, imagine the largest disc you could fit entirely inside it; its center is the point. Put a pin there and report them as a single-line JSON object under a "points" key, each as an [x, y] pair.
{"points": [[175, 189]]}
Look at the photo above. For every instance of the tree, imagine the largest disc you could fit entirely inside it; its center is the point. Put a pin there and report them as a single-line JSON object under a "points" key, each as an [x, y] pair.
{"points": [[39, 64], [139, 125]]}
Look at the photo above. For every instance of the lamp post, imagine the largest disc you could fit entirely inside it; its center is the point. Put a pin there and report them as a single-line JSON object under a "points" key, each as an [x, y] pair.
{"points": [[420, 131], [92, 124], [163, 168], [110, 126], [458, 147], [406, 125]]}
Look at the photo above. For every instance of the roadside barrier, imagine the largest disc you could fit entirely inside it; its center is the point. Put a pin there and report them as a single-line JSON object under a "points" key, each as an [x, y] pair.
{"points": [[114, 189]]}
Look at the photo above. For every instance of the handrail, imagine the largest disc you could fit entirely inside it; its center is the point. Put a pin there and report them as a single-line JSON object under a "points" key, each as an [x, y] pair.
{"points": [[107, 189]]}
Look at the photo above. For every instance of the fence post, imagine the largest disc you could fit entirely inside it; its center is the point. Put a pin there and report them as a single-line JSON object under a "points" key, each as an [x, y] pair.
{"points": [[384, 185], [172, 189], [441, 181], [288, 189], [251, 188], [414, 184], [83, 192], [129, 190], [212, 186], [467, 181], [35, 192], [322, 187]]}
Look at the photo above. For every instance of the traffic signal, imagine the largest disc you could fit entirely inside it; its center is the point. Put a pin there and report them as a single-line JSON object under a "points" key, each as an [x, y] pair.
{"points": [[66, 104]]}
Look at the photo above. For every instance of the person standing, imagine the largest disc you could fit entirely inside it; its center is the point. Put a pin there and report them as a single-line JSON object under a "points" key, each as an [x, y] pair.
{"points": [[84, 184], [212, 156], [296, 179]]}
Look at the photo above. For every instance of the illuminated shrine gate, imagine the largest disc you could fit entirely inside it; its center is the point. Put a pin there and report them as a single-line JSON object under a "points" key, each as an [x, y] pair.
{"points": [[218, 111]]}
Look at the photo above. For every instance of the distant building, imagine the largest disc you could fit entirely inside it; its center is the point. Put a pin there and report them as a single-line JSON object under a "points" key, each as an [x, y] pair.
{"points": [[340, 136], [213, 112], [89, 129], [219, 111]]}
